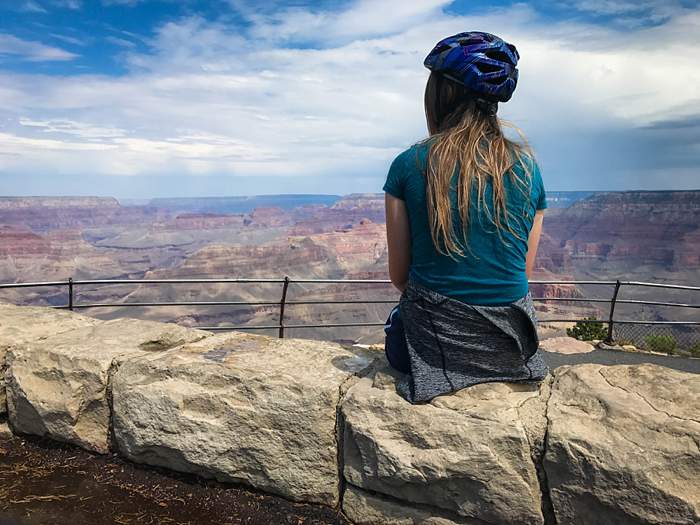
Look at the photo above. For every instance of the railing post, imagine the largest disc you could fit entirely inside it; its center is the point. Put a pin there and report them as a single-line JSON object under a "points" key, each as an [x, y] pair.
{"points": [[282, 304], [609, 338], [70, 293]]}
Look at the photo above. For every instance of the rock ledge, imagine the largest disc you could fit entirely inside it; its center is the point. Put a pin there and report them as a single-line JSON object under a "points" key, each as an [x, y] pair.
{"points": [[320, 422]]}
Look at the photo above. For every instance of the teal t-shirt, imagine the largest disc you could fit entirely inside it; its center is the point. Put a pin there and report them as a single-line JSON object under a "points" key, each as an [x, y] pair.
{"points": [[491, 272]]}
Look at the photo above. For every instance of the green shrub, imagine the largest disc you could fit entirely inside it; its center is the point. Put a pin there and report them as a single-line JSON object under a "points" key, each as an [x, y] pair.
{"points": [[695, 350], [588, 331], [624, 342], [661, 343]]}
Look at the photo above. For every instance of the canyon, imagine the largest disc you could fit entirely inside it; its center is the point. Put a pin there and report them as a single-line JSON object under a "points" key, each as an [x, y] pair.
{"points": [[650, 236]]}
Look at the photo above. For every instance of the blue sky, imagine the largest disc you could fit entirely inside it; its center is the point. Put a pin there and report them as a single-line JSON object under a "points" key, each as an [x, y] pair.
{"points": [[141, 98]]}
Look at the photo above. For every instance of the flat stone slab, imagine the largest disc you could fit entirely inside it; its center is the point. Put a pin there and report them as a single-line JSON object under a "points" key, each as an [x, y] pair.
{"points": [[20, 324], [623, 445], [240, 408], [566, 345], [472, 454], [58, 386]]}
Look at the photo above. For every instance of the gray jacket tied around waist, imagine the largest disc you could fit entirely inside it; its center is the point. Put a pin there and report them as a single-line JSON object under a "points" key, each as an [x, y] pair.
{"points": [[452, 345]]}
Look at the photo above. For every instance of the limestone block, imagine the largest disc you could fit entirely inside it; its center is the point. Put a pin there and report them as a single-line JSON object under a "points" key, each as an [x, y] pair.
{"points": [[58, 386], [566, 345], [241, 408], [20, 324], [364, 508], [472, 453], [623, 445]]}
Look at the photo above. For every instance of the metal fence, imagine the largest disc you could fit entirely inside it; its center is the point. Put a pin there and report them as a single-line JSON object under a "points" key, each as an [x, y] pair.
{"points": [[637, 331]]}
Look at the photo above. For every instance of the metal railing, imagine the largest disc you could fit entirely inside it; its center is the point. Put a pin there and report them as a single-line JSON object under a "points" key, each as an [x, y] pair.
{"points": [[611, 320]]}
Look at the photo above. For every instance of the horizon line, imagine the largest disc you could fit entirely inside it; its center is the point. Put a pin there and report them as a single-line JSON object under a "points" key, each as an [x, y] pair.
{"points": [[88, 196]]}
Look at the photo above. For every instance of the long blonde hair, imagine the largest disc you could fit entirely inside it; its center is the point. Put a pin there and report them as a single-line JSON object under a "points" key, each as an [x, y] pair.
{"points": [[466, 134]]}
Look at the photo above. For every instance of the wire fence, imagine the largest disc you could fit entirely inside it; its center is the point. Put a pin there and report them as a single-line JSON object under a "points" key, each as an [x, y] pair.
{"points": [[665, 338], [616, 314]]}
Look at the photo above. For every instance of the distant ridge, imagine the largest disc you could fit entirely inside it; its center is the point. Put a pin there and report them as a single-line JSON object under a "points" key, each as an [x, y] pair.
{"points": [[241, 204], [56, 202]]}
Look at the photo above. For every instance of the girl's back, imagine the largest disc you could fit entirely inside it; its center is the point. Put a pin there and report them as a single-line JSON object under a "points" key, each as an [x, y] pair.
{"points": [[492, 269]]}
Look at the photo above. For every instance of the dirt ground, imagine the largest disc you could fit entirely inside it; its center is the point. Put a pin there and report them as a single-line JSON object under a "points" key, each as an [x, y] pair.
{"points": [[45, 483]]}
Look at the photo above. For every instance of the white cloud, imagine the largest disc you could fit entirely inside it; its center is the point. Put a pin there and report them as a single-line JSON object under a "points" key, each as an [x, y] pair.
{"points": [[69, 4], [209, 99], [30, 50], [652, 8], [69, 39], [122, 42], [31, 6], [70, 127], [366, 18], [129, 3]]}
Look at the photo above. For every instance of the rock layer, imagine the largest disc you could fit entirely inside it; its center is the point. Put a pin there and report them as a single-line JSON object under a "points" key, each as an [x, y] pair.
{"points": [[470, 453], [365, 508], [623, 445], [240, 408], [58, 385], [19, 325]]}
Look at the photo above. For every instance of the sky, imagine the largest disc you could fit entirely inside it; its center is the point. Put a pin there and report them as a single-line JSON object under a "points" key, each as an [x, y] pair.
{"points": [[177, 98]]}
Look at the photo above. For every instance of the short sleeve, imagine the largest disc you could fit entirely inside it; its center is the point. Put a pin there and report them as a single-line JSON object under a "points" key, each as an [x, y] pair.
{"points": [[395, 179], [538, 188]]}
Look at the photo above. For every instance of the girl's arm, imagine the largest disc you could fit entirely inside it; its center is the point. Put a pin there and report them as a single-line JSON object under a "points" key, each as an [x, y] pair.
{"points": [[533, 242], [398, 237]]}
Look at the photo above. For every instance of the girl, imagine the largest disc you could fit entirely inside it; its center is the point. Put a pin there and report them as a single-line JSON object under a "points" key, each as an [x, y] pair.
{"points": [[464, 211]]}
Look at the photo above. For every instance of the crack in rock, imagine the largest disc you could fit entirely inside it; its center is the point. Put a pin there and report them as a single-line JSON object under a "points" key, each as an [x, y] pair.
{"points": [[111, 436], [548, 513]]}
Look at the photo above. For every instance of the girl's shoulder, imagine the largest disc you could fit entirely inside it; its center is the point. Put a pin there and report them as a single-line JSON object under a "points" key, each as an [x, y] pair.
{"points": [[414, 157]]}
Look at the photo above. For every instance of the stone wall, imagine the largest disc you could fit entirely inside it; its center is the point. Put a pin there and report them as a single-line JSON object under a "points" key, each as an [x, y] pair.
{"points": [[320, 422]]}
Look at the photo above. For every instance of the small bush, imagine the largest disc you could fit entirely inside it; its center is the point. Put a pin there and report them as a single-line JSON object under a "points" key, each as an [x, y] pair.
{"points": [[588, 331], [661, 343], [624, 342], [695, 350]]}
